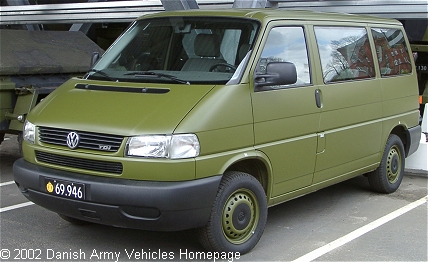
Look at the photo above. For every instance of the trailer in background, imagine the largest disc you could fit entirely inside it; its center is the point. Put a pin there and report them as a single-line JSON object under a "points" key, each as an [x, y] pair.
{"points": [[32, 65]]}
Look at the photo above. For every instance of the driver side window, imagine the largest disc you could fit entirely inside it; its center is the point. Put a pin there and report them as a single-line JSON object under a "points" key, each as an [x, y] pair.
{"points": [[287, 44]]}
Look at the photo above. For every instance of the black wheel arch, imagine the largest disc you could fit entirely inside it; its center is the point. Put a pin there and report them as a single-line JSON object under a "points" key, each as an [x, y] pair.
{"points": [[404, 136], [253, 167]]}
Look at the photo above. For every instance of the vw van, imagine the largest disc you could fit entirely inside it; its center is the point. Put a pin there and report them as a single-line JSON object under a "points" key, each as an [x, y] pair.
{"points": [[204, 119]]}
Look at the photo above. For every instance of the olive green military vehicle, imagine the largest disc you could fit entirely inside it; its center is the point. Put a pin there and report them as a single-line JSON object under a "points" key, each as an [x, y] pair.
{"points": [[204, 119], [32, 65]]}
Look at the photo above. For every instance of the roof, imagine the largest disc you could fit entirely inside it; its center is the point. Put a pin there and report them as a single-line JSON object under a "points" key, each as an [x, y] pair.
{"points": [[266, 14]]}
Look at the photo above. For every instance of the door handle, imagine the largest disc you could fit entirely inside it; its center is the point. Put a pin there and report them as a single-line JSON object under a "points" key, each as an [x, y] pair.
{"points": [[318, 98]]}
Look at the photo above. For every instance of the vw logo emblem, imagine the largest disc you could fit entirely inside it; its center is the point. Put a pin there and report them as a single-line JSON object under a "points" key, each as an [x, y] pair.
{"points": [[73, 140]]}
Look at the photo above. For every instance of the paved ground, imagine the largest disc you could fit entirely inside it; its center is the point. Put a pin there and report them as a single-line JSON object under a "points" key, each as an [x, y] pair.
{"points": [[345, 222]]}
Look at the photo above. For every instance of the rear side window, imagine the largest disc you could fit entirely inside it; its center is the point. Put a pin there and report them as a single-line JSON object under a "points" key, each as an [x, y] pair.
{"points": [[345, 53], [392, 52]]}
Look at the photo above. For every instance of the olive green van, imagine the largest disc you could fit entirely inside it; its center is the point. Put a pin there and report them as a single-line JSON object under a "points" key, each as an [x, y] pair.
{"points": [[204, 119]]}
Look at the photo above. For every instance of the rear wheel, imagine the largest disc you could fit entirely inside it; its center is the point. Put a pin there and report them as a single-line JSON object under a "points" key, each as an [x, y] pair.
{"points": [[238, 216], [388, 176]]}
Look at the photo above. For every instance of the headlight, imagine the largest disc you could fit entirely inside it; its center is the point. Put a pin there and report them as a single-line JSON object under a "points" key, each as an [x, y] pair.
{"points": [[184, 146], [29, 132], [164, 146]]}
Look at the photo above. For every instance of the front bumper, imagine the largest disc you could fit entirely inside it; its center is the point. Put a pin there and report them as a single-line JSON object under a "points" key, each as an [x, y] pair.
{"points": [[148, 205]]}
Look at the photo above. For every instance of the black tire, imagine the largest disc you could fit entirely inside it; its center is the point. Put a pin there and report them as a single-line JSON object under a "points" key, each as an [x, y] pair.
{"points": [[388, 176], [74, 221], [238, 216]]}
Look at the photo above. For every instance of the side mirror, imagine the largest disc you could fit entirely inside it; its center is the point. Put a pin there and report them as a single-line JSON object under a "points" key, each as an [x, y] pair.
{"points": [[94, 58], [277, 73]]}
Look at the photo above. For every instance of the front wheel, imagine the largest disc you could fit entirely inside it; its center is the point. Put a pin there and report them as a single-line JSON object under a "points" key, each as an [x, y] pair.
{"points": [[238, 216], [388, 176]]}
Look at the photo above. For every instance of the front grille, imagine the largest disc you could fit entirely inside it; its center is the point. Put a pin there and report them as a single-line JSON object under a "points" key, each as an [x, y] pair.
{"points": [[88, 140], [81, 163]]}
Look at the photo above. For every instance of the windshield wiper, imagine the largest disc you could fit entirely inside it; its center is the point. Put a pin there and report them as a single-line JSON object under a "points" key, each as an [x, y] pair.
{"points": [[150, 73], [101, 73]]}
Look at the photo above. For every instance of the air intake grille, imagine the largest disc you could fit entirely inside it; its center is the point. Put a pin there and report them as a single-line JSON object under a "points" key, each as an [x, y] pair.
{"points": [[88, 140], [81, 163]]}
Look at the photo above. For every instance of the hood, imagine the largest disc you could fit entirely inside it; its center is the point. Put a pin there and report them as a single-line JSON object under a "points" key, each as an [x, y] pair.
{"points": [[125, 109]]}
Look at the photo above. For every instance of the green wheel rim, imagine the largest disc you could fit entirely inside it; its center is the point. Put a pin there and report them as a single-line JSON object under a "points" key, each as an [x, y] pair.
{"points": [[393, 165], [240, 216]]}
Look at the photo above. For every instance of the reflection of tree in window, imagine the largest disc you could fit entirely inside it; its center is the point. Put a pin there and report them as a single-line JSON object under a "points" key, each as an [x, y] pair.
{"points": [[350, 56], [357, 54]]}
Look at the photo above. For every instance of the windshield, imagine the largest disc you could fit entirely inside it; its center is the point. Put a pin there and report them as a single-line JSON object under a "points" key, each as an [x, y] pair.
{"points": [[178, 49]]}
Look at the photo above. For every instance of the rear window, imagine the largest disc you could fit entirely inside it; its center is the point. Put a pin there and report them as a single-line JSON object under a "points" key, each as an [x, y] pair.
{"points": [[392, 52]]}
